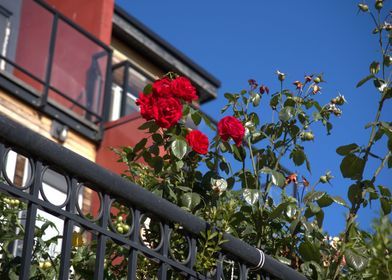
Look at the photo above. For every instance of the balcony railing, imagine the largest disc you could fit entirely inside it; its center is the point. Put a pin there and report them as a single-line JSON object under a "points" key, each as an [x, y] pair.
{"points": [[42, 154], [63, 66]]}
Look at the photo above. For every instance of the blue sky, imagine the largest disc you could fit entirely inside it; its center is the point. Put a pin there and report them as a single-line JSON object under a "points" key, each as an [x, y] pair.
{"points": [[238, 40]]}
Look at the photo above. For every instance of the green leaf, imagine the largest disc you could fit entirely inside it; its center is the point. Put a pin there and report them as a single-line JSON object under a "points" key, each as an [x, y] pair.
{"points": [[314, 208], [150, 125], [354, 194], [256, 99], [179, 148], [239, 152], [364, 80], [225, 108], [291, 210], [278, 210], [317, 116], [339, 200], [390, 162], [190, 200], [250, 195], [274, 101], [157, 164], [320, 218], [231, 97], [384, 191], [147, 89], [298, 156], [309, 252], [146, 125], [313, 195], [354, 260], [294, 226], [352, 167], [277, 178], [196, 118], [325, 201], [286, 113], [385, 205], [347, 149], [387, 93], [142, 143], [157, 138], [308, 165], [154, 149]]}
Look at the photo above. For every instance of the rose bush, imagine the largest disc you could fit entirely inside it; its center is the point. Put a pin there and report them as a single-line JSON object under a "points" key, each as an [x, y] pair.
{"points": [[184, 167], [290, 227]]}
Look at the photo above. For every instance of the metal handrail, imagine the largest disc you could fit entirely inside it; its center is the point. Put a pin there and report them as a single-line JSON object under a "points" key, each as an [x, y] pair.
{"points": [[110, 183]]}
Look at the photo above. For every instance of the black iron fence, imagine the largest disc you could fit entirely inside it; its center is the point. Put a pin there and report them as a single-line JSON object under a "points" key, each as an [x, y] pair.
{"points": [[143, 207], [63, 63]]}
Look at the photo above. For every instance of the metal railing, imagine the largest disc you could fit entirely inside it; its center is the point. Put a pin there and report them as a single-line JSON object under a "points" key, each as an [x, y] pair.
{"points": [[86, 97], [42, 154]]}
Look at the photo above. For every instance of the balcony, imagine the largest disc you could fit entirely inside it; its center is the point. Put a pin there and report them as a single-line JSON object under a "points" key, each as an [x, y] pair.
{"points": [[54, 65]]}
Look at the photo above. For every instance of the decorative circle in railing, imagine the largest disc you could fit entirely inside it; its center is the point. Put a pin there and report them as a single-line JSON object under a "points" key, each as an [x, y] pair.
{"points": [[179, 245], [151, 232], [17, 169], [89, 203], [121, 218], [55, 187]]}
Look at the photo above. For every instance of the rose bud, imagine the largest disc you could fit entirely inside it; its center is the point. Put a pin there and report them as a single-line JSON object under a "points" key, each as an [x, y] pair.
{"points": [[363, 7]]}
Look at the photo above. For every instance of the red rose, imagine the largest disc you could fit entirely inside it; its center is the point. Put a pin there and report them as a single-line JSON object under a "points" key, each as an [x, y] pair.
{"points": [[231, 127], [146, 104], [168, 111], [182, 88], [198, 141], [162, 87]]}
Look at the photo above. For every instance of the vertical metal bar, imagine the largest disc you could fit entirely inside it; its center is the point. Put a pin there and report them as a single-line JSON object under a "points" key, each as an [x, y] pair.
{"points": [[219, 267], [107, 90], [67, 234], [243, 272], [133, 253], [101, 245], [28, 239], [192, 251], [2, 155], [49, 64], [162, 273], [125, 88]]}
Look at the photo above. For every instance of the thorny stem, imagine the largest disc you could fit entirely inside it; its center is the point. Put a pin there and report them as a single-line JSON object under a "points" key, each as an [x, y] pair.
{"points": [[355, 207], [281, 153], [253, 164]]}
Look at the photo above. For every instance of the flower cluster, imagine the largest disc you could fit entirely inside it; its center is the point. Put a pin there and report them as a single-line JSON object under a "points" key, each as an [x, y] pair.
{"points": [[164, 104]]}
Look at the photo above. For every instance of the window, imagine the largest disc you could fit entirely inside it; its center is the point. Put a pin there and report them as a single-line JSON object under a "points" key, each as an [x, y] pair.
{"points": [[130, 80]]}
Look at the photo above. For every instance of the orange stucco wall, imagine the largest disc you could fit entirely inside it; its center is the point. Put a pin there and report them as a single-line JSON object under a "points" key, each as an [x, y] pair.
{"points": [[119, 133], [94, 16]]}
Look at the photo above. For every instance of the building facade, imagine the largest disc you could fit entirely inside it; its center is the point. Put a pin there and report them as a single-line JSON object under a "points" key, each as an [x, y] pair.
{"points": [[71, 71]]}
